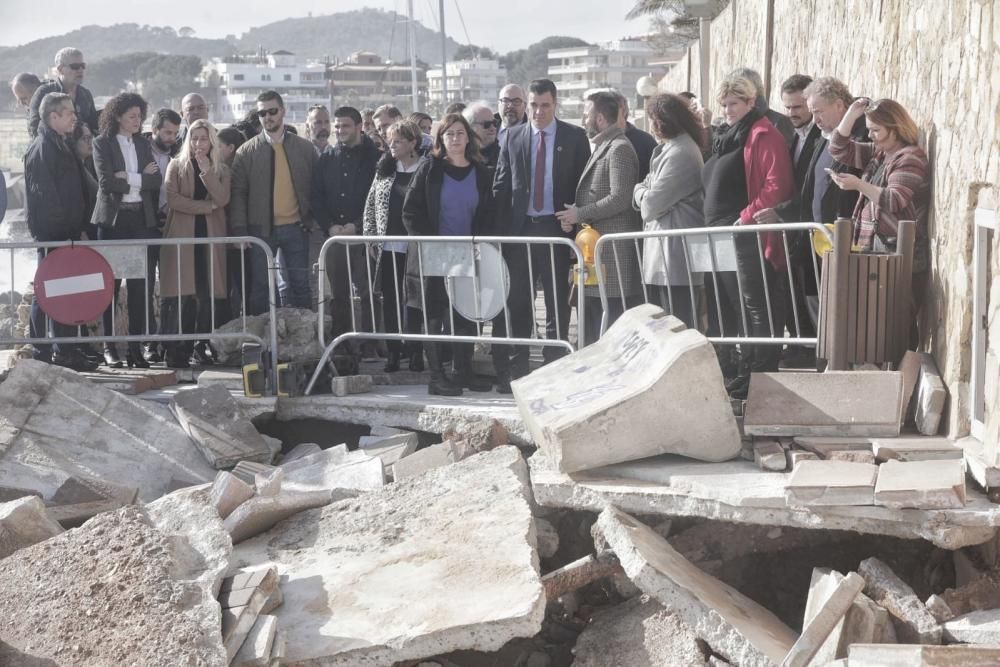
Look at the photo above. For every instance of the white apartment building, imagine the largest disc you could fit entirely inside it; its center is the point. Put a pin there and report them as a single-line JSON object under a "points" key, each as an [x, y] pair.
{"points": [[617, 64], [468, 81], [238, 80], [365, 80]]}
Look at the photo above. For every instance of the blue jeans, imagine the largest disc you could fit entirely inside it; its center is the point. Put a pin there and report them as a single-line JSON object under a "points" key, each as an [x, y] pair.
{"points": [[293, 241]]}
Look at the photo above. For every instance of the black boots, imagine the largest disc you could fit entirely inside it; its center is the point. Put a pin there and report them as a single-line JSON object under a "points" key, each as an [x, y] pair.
{"points": [[440, 384], [135, 358]]}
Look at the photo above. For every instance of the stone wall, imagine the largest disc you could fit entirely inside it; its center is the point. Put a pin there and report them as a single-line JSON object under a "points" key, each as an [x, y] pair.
{"points": [[939, 59]]}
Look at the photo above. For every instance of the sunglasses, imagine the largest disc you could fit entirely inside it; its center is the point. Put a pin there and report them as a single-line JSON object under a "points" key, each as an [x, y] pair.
{"points": [[511, 102], [76, 67], [488, 124], [268, 112]]}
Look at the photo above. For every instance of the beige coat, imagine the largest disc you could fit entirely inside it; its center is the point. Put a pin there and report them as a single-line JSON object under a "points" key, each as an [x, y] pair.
{"points": [[183, 208]]}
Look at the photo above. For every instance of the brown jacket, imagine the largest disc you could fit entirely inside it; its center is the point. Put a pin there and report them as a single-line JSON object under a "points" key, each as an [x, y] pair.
{"points": [[183, 208]]}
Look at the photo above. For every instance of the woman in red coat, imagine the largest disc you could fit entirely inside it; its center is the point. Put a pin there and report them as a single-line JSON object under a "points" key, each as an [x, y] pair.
{"points": [[750, 170]]}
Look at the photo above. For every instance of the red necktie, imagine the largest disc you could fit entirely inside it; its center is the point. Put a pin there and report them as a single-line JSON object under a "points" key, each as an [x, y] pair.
{"points": [[540, 172]]}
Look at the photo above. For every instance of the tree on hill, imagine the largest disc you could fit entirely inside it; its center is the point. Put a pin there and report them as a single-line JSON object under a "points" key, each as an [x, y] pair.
{"points": [[471, 52], [524, 65], [161, 78], [186, 32]]}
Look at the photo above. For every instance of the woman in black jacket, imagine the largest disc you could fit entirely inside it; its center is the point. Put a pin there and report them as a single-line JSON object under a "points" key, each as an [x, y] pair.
{"points": [[128, 193], [451, 194]]}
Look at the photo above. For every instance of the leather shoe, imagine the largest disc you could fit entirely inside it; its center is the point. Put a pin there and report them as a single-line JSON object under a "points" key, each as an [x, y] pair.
{"points": [[111, 357], [75, 361]]}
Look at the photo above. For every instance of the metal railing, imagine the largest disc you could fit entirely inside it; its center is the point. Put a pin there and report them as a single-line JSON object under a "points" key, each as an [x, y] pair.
{"points": [[243, 243], [472, 268], [710, 252]]}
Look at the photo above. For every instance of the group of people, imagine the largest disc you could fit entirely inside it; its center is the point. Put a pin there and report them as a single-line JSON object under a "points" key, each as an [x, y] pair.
{"points": [[510, 170]]}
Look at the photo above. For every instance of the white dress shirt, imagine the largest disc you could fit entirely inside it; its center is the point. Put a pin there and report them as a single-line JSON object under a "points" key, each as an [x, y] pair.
{"points": [[132, 173]]}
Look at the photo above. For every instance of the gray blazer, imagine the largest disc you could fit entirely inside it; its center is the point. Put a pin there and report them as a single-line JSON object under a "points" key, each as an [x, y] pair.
{"points": [[604, 201], [671, 197], [108, 159]]}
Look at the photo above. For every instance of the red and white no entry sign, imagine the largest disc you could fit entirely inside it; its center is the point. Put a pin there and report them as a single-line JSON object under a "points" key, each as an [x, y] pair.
{"points": [[74, 285]]}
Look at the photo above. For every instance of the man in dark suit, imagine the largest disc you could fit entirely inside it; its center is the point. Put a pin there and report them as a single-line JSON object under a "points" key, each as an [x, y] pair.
{"points": [[539, 168], [70, 68]]}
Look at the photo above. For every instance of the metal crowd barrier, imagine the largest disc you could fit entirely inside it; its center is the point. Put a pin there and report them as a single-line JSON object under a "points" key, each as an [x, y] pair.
{"points": [[115, 248], [710, 251], [477, 283]]}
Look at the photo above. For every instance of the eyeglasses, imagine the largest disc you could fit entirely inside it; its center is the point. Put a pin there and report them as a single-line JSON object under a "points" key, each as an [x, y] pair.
{"points": [[509, 102], [268, 112], [76, 67], [488, 124]]}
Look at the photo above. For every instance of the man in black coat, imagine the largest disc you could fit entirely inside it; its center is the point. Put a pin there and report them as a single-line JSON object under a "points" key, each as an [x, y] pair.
{"points": [[71, 68], [539, 168], [57, 203]]}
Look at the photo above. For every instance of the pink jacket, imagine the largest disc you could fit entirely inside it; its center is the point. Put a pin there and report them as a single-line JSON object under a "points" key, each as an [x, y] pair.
{"points": [[770, 181]]}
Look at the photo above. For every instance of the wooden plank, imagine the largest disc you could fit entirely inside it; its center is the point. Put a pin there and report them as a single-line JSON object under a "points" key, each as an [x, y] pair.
{"points": [[852, 265], [861, 349], [890, 308], [822, 350], [874, 275], [883, 303]]}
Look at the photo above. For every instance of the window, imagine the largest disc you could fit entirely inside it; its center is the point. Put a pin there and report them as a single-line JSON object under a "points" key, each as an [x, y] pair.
{"points": [[265, 77], [288, 77], [237, 77]]}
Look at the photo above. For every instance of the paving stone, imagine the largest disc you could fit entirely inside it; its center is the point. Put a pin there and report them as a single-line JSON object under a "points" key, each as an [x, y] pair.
{"points": [[907, 655], [834, 403], [863, 622], [639, 633], [256, 648], [345, 385], [422, 567], [732, 624], [24, 522], [931, 395], [229, 492], [921, 484], [825, 615], [769, 455], [217, 425], [915, 449], [913, 622], [648, 386], [300, 450], [852, 456], [241, 607], [260, 514], [423, 460], [816, 483], [56, 425]]}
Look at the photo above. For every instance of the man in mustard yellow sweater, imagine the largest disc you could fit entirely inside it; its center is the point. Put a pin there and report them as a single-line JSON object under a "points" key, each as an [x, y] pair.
{"points": [[272, 179]]}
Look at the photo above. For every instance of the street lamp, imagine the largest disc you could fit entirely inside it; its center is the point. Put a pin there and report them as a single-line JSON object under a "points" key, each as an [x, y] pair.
{"points": [[646, 88]]}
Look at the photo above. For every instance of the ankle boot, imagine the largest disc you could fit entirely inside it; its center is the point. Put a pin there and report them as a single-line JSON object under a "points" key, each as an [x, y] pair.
{"points": [[135, 358], [463, 369], [440, 384], [417, 358], [392, 363]]}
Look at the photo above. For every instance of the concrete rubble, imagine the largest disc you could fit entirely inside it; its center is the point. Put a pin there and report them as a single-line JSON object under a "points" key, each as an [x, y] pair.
{"points": [[863, 622], [648, 386], [215, 422], [913, 622], [825, 617]]}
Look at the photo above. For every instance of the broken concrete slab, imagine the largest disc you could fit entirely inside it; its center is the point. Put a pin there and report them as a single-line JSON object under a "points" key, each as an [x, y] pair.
{"points": [[24, 522], [834, 403], [390, 449], [826, 615], [341, 480], [256, 648], [769, 455], [57, 425], [931, 395], [472, 438], [336, 455], [647, 387], [732, 624], [913, 622], [737, 491], [921, 484], [977, 627], [639, 633], [939, 609], [143, 603], [921, 448], [395, 564], [72, 516], [423, 460], [345, 385], [215, 422], [863, 622], [300, 450], [907, 655], [229, 492], [261, 513], [76, 490], [241, 598], [817, 483]]}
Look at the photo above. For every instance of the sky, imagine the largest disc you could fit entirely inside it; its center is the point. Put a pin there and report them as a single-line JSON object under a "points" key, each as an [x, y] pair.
{"points": [[502, 26]]}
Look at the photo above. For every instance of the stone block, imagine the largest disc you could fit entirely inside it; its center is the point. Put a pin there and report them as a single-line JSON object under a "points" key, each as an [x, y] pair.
{"points": [[769, 455], [915, 449], [733, 625], [647, 387], [817, 483], [247, 471], [260, 514], [256, 648], [343, 480], [273, 602], [217, 425], [913, 622], [921, 484], [931, 395], [24, 522], [823, 446], [72, 516], [336, 455], [423, 460], [863, 622], [229, 492], [939, 609], [449, 557], [827, 613], [853, 456], [910, 368], [908, 655], [638, 633], [834, 403], [796, 457], [345, 385], [241, 600], [57, 425], [390, 449], [300, 450]]}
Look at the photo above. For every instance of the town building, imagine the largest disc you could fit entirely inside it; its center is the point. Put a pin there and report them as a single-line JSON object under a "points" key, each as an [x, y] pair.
{"points": [[468, 81], [233, 83], [365, 80]]}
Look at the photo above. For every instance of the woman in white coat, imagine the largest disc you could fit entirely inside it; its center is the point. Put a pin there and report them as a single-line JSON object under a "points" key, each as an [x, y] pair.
{"points": [[671, 197]]}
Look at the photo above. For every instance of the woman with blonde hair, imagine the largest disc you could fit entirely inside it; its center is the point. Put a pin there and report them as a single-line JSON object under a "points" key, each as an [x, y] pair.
{"points": [[191, 278], [894, 185]]}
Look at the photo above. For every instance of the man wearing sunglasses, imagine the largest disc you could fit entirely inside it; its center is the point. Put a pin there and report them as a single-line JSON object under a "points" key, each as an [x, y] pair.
{"points": [[272, 185], [485, 126], [70, 69]]}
